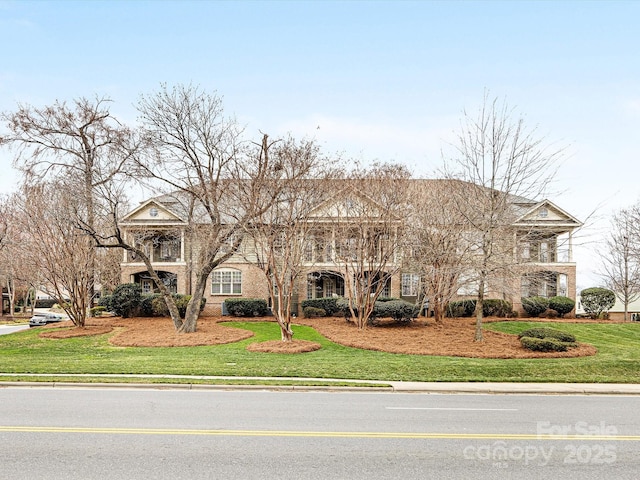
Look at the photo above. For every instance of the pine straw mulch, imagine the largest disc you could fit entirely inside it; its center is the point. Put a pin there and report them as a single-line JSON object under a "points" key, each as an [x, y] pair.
{"points": [[455, 337], [150, 332]]}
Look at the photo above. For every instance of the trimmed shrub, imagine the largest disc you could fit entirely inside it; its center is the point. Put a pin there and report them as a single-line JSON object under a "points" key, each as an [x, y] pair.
{"points": [[106, 301], [491, 307], [97, 311], [313, 312], [460, 308], [546, 332], [159, 307], [597, 301], [247, 307], [182, 301], [125, 300], [496, 308], [543, 344], [146, 304], [45, 302], [534, 306], [328, 304], [562, 305], [342, 304], [399, 310]]}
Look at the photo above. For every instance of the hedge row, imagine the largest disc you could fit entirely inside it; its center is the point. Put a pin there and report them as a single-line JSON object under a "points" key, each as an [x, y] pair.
{"points": [[127, 300], [398, 310], [247, 307], [491, 307], [328, 304]]}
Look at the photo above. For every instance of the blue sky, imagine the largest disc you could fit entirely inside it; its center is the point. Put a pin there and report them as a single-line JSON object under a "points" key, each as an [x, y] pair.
{"points": [[381, 80]]}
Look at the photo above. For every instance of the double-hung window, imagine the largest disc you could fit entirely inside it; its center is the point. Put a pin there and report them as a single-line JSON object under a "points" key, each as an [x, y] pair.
{"points": [[410, 283], [226, 282]]}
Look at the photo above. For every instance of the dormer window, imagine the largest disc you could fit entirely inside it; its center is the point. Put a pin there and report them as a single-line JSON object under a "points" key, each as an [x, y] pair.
{"points": [[543, 212]]}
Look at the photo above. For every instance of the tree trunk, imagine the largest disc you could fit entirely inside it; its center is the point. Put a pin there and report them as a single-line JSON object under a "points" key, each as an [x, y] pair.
{"points": [[438, 312], [190, 323], [286, 333], [478, 312], [166, 294], [282, 311]]}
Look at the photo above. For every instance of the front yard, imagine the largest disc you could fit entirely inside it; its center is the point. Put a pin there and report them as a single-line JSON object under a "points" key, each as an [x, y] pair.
{"points": [[617, 359]]}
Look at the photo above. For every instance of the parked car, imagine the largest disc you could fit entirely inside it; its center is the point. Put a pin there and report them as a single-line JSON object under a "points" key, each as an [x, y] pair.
{"points": [[40, 319]]}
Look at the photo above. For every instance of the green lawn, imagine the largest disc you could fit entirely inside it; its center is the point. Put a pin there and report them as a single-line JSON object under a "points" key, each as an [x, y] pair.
{"points": [[618, 360]]}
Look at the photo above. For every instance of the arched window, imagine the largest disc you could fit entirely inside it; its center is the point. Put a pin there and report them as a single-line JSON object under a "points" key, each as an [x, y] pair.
{"points": [[226, 281]]}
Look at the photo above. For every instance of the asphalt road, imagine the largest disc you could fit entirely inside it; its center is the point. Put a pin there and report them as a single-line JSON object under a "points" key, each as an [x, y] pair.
{"points": [[180, 434]]}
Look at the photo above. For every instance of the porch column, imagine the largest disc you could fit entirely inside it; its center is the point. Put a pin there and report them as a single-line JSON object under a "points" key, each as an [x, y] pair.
{"points": [[571, 246]]}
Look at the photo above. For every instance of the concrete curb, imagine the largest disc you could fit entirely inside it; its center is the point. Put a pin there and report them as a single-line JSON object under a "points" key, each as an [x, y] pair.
{"points": [[393, 386]]}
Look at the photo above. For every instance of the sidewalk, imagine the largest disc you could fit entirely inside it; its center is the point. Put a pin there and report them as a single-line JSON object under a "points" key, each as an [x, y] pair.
{"points": [[75, 381]]}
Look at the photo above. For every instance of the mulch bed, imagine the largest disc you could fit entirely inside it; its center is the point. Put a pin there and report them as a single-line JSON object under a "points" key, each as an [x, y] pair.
{"points": [[454, 337]]}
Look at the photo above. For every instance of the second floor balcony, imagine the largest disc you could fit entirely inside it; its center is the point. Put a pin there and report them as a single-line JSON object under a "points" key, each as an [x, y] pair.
{"points": [[159, 249]]}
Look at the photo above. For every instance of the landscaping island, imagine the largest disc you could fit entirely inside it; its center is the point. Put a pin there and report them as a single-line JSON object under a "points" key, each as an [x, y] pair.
{"points": [[455, 337]]}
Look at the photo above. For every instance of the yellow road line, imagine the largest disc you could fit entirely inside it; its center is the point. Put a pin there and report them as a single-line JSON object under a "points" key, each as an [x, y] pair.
{"points": [[287, 433]]}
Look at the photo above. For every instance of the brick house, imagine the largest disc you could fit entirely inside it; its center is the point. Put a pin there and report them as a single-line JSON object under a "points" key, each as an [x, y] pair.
{"points": [[545, 258]]}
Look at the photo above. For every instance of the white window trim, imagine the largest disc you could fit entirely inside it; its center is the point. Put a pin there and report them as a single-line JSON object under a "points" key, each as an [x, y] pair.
{"points": [[409, 287], [233, 272]]}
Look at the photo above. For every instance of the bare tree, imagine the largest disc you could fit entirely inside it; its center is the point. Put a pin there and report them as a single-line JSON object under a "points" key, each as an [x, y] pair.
{"points": [[500, 160], [434, 242], [57, 248], [301, 178], [621, 265], [81, 143], [14, 271], [367, 223], [4, 240], [218, 179]]}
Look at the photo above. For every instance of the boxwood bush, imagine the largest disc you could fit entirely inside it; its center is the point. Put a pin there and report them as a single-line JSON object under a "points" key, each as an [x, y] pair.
{"points": [[562, 305], [495, 307], [460, 308], [534, 306], [247, 307], [543, 344], [398, 310], [125, 300], [328, 304], [547, 332], [313, 312], [545, 339], [146, 304]]}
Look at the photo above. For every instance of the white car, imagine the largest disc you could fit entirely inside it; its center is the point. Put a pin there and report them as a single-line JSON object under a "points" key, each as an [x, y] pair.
{"points": [[40, 319]]}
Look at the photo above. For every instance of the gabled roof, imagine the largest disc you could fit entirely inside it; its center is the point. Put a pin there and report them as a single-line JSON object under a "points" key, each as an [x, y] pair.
{"points": [[153, 212], [545, 213], [341, 201]]}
